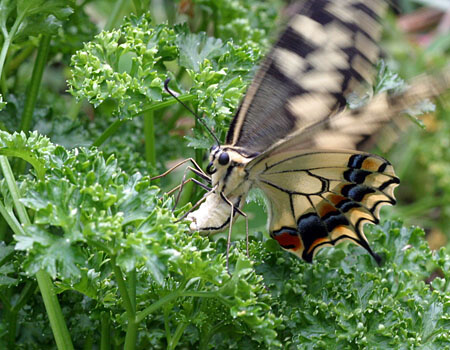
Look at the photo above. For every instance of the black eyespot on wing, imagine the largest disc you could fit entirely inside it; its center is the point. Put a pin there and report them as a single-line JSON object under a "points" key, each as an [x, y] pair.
{"points": [[312, 231], [356, 192], [356, 161], [224, 158], [356, 175], [347, 204], [334, 219]]}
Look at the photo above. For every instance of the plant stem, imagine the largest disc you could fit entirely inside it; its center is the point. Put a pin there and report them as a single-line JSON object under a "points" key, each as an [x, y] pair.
{"points": [[156, 305], [8, 37], [59, 328], [12, 329], [131, 278], [36, 78], [11, 220], [57, 323], [14, 190], [177, 335], [7, 258], [25, 157], [159, 105], [114, 15], [26, 293], [105, 341], [149, 132], [123, 289], [138, 6], [12, 65], [131, 334], [167, 324], [111, 130]]}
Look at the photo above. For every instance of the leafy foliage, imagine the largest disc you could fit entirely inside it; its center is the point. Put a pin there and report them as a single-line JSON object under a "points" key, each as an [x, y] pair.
{"points": [[89, 225]]}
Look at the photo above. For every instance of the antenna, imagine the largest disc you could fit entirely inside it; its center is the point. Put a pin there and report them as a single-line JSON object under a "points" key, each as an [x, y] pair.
{"points": [[166, 87]]}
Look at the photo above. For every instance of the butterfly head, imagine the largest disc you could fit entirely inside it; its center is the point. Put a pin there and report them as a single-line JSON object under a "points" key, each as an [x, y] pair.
{"points": [[229, 181], [218, 158]]}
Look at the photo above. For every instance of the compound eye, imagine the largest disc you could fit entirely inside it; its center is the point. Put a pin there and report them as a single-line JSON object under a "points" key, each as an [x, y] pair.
{"points": [[224, 158], [213, 148]]}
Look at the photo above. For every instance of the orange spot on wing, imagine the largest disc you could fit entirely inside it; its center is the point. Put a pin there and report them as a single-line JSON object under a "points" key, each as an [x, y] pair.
{"points": [[288, 241], [325, 208], [316, 243], [370, 164], [335, 199]]}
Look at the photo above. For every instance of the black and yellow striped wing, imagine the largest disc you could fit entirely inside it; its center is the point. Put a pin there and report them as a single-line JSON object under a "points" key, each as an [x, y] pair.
{"points": [[327, 47], [319, 198]]}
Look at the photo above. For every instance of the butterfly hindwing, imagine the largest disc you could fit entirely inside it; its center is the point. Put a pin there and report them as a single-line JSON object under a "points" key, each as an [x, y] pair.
{"points": [[327, 47], [320, 198]]}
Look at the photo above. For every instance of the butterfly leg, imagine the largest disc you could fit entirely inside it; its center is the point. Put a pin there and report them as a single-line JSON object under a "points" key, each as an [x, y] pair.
{"points": [[229, 235], [233, 209], [198, 170], [184, 181], [201, 184]]}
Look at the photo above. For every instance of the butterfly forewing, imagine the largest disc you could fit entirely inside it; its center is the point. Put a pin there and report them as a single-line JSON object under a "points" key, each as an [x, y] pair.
{"points": [[320, 198], [327, 47]]}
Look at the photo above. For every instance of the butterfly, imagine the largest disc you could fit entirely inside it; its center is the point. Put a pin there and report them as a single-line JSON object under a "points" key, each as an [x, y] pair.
{"points": [[293, 137]]}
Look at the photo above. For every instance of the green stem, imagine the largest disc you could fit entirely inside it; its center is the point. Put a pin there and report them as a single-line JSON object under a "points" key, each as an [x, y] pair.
{"points": [[167, 325], [26, 157], [123, 289], [131, 279], [114, 15], [12, 65], [138, 6], [204, 338], [149, 132], [36, 78], [26, 293], [59, 328], [5, 302], [177, 335], [11, 220], [7, 258], [99, 245], [169, 297], [156, 305], [131, 335], [105, 340], [57, 323], [159, 105], [14, 190], [8, 39], [111, 130], [12, 329]]}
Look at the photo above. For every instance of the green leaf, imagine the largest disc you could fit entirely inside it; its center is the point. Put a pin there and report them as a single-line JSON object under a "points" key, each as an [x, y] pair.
{"points": [[195, 48]]}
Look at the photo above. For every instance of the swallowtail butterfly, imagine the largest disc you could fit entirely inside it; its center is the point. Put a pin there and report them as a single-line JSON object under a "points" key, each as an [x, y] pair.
{"points": [[293, 137]]}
